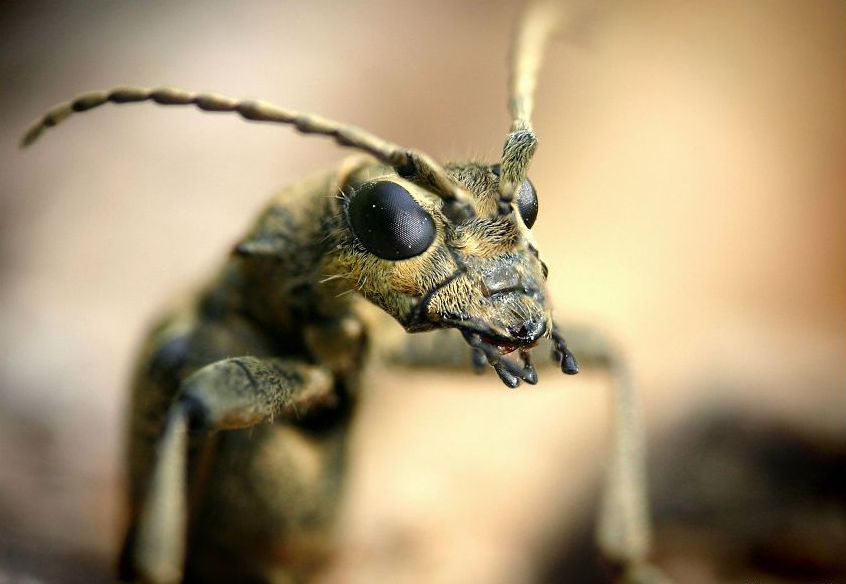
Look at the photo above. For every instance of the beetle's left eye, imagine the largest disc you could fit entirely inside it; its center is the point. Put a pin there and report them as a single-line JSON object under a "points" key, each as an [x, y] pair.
{"points": [[527, 203], [387, 221]]}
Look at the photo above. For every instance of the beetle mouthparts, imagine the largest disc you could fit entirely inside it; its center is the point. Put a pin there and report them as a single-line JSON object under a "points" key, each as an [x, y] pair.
{"points": [[506, 346]]}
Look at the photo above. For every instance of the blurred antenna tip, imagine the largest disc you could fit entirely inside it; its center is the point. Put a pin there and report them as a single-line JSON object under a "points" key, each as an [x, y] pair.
{"points": [[30, 137]]}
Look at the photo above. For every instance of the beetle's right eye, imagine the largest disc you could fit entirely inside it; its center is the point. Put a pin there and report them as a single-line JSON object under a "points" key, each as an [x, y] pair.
{"points": [[388, 222], [527, 203]]}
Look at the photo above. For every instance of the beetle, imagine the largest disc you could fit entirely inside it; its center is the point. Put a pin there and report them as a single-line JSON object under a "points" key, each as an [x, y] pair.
{"points": [[256, 378]]}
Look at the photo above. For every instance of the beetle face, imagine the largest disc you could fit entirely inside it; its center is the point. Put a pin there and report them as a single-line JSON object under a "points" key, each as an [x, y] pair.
{"points": [[481, 275], [499, 292]]}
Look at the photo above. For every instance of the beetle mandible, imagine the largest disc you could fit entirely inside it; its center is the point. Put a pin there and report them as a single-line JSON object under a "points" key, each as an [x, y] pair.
{"points": [[268, 356]]}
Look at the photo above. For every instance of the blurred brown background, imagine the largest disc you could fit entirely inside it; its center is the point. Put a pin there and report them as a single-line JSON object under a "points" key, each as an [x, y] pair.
{"points": [[691, 173]]}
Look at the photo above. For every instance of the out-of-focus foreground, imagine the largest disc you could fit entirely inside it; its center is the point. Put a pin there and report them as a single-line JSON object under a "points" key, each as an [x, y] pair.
{"points": [[691, 180]]}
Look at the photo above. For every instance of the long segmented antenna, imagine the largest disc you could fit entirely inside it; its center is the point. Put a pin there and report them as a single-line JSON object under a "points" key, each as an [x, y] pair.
{"points": [[539, 23], [410, 164]]}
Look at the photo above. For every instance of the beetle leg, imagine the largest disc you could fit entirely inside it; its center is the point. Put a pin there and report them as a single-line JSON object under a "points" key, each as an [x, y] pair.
{"points": [[244, 391], [624, 530], [158, 542], [229, 394]]}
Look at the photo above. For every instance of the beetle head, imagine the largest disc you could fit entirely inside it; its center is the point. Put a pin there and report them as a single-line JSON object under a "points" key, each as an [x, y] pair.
{"points": [[400, 247]]}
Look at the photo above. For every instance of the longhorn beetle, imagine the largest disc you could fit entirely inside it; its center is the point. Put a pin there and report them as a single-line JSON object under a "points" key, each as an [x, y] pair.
{"points": [[265, 362]]}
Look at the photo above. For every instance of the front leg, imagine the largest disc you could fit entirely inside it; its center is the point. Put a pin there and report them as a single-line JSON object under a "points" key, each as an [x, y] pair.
{"points": [[624, 527], [245, 391], [233, 393]]}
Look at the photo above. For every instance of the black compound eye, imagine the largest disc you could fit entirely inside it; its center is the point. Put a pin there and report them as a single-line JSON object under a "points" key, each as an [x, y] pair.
{"points": [[527, 203], [387, 221], [527, 199]]}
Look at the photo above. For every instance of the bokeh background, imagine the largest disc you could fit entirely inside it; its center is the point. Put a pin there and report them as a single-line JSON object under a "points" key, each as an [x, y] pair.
{"points": [[691, 173]]}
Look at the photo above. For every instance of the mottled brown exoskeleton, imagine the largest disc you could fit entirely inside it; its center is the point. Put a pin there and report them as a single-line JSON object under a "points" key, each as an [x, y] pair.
{"points": [[243, 396]]}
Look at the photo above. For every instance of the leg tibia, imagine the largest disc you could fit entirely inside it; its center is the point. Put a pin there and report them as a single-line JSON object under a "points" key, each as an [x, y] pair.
{"points": [[624, 530], [229, 394]]}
